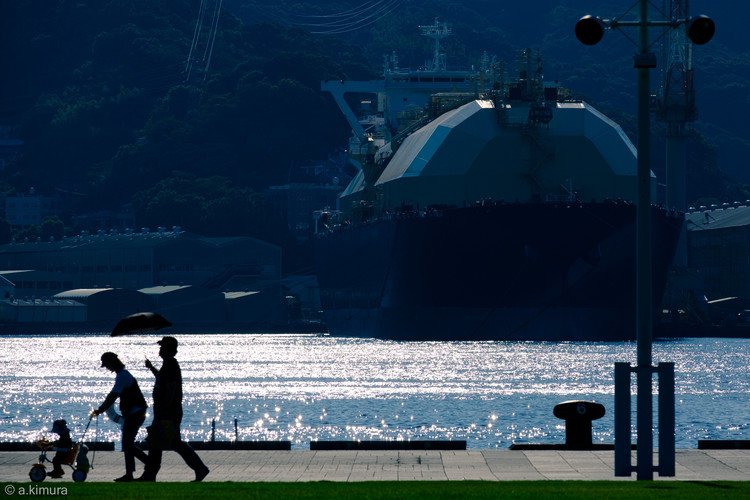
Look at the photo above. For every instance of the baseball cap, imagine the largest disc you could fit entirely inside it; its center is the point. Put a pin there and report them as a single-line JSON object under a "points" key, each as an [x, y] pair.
{"points": [[109, 357], [168, 342]]}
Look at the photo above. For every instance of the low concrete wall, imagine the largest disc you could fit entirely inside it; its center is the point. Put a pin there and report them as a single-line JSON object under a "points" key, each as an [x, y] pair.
{"points": [[388, 445], [724, 444]]}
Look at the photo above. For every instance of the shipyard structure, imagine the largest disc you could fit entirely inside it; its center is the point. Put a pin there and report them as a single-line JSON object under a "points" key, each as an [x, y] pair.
{"points": [[90, 281]]}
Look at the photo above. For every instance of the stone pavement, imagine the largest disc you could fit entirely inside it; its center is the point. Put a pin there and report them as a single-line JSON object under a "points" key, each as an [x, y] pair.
{"points": [[431, 465]]}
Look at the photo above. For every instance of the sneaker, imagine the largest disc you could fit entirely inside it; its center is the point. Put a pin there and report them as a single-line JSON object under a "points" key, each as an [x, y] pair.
{"points": [[200, 474], [146, 478], [56, 474], [124, 479]]}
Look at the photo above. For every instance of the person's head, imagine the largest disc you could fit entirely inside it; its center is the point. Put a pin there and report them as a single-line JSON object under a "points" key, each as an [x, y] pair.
{"points": [[111, 362], [60, 426], [168, 347]]}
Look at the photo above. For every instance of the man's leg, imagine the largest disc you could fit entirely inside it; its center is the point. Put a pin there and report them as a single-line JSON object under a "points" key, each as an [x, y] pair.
{"points": [[153, 465], [189, 455], [154, 454], [191, 458]]}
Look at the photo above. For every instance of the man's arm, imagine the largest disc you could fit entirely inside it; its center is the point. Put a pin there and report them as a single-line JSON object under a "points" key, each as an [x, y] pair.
{"points": [[151, 367]]}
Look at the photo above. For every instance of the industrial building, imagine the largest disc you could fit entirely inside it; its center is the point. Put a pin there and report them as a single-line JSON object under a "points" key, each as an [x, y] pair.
{"points": [[719, 249], [192, 280]]}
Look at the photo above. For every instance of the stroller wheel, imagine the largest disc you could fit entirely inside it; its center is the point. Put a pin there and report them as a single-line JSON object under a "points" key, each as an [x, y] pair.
{"points": [[37, 473], [79, 475]]}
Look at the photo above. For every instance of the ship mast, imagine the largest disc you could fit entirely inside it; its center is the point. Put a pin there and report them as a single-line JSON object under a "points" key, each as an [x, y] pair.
{"points": [[437, 32]]}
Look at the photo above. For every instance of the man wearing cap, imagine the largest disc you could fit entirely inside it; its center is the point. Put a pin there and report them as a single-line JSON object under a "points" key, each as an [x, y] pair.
{"points": [[168, 414], [132, 406]]}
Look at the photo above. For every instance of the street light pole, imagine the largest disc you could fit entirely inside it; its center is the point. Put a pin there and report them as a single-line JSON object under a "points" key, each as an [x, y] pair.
{"points": [[644, 314], [590, 30]]}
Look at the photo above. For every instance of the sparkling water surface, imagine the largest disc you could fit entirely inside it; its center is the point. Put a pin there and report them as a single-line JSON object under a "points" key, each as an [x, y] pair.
{"points": [[309, 387]]}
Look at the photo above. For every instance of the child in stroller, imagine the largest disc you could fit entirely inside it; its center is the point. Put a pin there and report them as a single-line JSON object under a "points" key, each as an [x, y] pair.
{"points": [[62, 446], [67, 453]]}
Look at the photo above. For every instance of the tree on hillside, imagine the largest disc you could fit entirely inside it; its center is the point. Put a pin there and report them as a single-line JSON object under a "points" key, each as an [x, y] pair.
{"points": [[212, 206], [6, 233]]}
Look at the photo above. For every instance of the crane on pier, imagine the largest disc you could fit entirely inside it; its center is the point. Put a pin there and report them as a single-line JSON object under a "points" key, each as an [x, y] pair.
{"points": [[675, 105]]}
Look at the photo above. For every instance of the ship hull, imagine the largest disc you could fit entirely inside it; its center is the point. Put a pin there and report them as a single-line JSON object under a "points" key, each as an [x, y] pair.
{"points": [[492, 272]]}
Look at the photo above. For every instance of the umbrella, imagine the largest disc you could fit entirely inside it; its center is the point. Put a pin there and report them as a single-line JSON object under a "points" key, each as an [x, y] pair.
{"points": [[140, 322]]}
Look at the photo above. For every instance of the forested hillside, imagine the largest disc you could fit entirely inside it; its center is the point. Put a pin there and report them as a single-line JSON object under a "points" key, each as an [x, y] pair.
{"points": [[122, 102]]}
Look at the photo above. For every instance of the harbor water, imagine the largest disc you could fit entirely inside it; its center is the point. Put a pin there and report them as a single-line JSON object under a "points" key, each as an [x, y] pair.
{"points": [[312, 387]]}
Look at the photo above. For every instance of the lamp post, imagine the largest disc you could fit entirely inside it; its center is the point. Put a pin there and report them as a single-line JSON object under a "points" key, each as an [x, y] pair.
{"points": [[590, 30]]}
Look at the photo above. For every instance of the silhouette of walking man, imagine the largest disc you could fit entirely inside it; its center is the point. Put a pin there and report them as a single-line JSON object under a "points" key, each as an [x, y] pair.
{"points": [[168, 415], [133, 408]]}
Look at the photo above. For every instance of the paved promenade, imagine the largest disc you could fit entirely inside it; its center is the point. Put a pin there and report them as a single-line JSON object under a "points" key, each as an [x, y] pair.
{"points": [[486, 465]]}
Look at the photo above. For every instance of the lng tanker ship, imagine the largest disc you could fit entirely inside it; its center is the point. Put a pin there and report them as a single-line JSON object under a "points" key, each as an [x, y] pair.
{"points": [[495, 211]]}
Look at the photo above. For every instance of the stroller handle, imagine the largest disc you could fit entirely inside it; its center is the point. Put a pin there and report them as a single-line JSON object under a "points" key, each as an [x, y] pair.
{"points": [[87, 427]]}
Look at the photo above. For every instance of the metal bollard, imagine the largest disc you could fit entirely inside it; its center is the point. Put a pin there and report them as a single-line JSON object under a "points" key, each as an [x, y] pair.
{"points": [[578, 416]]}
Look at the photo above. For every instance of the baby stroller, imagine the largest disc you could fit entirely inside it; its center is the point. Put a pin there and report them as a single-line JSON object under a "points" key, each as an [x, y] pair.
{"points": [[76, 459]]}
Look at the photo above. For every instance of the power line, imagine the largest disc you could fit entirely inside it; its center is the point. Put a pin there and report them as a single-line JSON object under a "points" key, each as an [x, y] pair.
{"points": [[204, 35], [196, 32], [383, 11], [213, 38], [361, 16], [352, 11], [342, 16]]}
